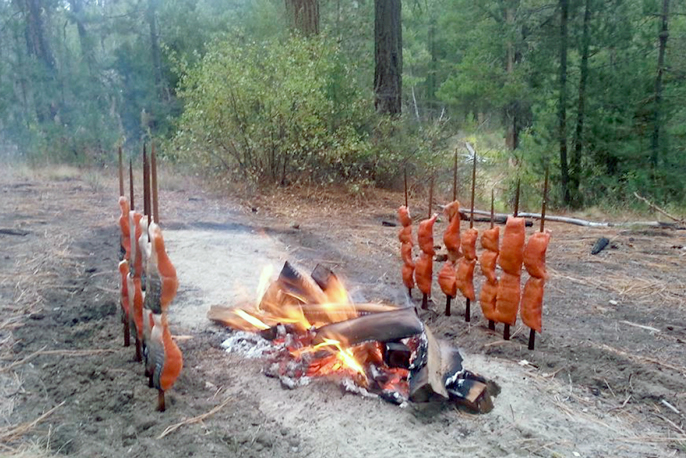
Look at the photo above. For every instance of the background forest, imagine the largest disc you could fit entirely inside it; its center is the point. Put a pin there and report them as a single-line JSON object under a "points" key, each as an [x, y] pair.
{"points": [[594, 90]]}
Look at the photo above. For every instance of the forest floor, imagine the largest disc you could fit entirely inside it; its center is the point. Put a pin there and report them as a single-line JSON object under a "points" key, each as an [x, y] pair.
{"points": [[606, 378]]}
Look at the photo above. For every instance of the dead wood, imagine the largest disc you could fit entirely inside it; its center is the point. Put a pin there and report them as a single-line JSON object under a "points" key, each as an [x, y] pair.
{"points": [[381, 327], [189, 421], [501, 218], [19, 232], [658, 209], [12, 433], [427, 381]]}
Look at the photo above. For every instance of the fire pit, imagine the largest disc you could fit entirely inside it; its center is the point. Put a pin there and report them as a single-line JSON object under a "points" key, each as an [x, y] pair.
{"points": [[315, 330]]}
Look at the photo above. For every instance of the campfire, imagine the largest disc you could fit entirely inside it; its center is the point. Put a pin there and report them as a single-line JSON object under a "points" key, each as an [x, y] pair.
{"points": [[373, 348]]}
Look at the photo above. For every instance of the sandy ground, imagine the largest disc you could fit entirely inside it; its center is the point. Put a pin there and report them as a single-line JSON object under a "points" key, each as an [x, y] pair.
{"points": [[606, 369]]}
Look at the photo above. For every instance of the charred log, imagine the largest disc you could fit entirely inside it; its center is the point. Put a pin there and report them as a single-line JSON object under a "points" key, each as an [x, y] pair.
{"points": [[380, 327]]}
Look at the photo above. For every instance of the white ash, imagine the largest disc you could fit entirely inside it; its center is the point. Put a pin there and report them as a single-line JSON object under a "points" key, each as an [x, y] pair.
{"points": [[294, 382], [248, 344], [350, 386]]}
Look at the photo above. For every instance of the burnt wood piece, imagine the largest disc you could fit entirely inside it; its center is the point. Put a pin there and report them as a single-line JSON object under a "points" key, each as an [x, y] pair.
{"points": [[8, 231], [397, 354], [328, 282], [300, 285], [473, 391], [600, 245], [427, 376], [388, 224], [380, 327]]}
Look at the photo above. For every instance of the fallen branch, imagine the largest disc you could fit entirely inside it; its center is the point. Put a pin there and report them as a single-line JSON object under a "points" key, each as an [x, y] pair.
{"points": [[501, 217], [658, 209], [13, 433], [170, 429]]}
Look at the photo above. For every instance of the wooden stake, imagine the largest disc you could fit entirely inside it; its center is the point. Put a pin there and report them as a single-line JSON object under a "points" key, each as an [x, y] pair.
{"points": [[532, 332], [425, 301], [455, 177], [121, 174], [139, 353], [471, 218], [405, 176], [431, 192], [447, 305], [492, 208], [146, 185], [131, 183], [545, 200], [491, 325], [506, 332], [467, 311], [127, 332], [516, 209], [409, 292], [161, 407], [155, 202]]}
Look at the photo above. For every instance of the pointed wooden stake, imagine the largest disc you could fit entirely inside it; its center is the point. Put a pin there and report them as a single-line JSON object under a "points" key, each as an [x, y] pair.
{"points": [[506, 332], [467, 311], [127, 332], [447, 305], [405, 176], [471, 218], [139, 352], [409, 292], [492, 208], [425, 301], [431, 192], [121, 174], [532, 332], [131, 183], [146, 185], [153, 169], [455, 177], [516, 209]]}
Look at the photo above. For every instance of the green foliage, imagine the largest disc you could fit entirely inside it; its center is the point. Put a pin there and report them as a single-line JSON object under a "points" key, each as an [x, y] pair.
{"points": [[275, 111]]}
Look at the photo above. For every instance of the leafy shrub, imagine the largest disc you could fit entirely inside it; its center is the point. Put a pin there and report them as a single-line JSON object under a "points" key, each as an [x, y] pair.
{"points": [[275, 112]]}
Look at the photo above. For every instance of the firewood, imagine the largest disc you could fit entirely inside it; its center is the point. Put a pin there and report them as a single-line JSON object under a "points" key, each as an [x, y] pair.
{"points": [[381, 327], [427, 378]]}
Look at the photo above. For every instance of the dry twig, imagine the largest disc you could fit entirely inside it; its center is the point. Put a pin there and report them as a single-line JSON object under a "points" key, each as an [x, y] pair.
{"points": [[10, 434], [189, 421]]}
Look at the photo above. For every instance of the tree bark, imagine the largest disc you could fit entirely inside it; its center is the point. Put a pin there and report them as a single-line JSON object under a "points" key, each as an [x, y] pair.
{"points": [[36, 41], [388, 52], [84, 39], [511, 138], [431, 80], [562, 107], [575, 175], [662, 35], [303, 16]]}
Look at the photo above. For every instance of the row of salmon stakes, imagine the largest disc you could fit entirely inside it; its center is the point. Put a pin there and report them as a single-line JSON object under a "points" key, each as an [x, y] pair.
{"points": [[500, 298], [148, 282]]}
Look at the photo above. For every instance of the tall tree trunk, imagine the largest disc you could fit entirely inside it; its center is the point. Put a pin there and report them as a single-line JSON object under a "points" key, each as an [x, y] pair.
{"points": [[303, 16], [388, 53], [36, 41], [562, 108], [431, 76], [511, 121], [575, 175], [663, 34], [84, 39]]}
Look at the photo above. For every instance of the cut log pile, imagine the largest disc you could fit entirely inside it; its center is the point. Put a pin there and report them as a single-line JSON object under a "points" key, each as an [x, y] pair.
{"points": [[148, 282]]}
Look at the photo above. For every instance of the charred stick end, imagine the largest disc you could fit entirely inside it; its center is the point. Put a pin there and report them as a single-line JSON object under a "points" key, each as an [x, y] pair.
{"points": [[139, 354], [506, 332], [161, 407], [491, 325], [447, 305], [467, 311], [127, 333], [532, 339], [425, 301]]}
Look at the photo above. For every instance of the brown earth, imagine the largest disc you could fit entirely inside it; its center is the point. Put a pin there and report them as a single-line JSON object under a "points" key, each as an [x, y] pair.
{"points": [[601, 381]]}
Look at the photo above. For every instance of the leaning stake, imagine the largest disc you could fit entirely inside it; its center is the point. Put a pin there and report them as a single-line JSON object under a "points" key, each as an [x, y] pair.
{"points": [[491, 323], [468, 303], [532, 332], [153, 169]]}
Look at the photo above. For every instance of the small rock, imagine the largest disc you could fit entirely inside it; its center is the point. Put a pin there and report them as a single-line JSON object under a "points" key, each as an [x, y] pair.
{"points": [[295, 225]]}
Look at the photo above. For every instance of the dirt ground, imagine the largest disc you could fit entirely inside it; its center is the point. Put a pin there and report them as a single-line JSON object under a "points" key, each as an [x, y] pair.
{"points": [[606, 378]]}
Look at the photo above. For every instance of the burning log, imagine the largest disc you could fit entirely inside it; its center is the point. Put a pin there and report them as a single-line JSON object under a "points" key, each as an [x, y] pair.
{"points": [[380, 327], [426, 378]]}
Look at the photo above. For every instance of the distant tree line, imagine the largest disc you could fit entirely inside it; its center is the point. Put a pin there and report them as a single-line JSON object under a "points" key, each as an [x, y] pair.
{"points": [[283, 90]]}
